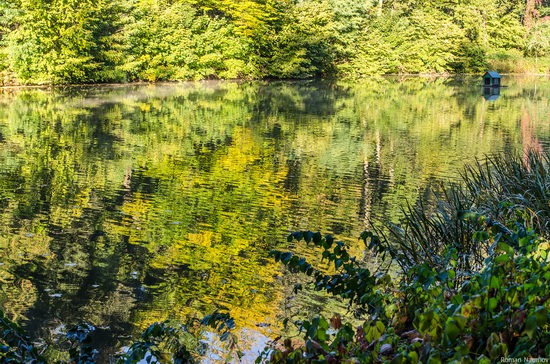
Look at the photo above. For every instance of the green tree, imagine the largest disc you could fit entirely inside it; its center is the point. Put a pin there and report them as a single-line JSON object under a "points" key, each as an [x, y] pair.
{"points": [[64, 41], [302, 47], [69, 41], [538, 40], [166, 40]]}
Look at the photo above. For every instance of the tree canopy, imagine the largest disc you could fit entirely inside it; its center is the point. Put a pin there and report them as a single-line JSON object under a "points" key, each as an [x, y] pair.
{"points": [[90, 41]]}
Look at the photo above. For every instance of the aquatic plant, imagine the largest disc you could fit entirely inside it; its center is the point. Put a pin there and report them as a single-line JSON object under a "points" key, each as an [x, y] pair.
{"points": [[502, 188]]}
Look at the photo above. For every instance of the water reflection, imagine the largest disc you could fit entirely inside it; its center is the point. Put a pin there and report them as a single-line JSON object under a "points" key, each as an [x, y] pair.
{"points": [[491, 93], [133, 204]]}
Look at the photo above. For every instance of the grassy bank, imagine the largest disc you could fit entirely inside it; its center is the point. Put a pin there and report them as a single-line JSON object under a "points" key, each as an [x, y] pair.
{"points": [[513, 62]]}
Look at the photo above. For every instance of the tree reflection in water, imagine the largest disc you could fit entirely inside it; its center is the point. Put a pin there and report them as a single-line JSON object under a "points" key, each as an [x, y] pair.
{"points": [[127, 205]]}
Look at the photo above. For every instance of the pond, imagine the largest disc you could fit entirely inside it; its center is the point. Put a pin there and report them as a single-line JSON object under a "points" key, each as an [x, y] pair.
{"points": [[131, 204]]}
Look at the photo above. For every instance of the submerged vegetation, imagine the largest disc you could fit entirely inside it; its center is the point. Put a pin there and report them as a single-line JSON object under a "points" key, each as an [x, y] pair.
{"points": [[472, 283], [93, 41]]}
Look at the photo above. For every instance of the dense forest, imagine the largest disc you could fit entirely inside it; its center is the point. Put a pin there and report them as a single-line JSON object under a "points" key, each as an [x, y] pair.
{"points": [[92, 41]]}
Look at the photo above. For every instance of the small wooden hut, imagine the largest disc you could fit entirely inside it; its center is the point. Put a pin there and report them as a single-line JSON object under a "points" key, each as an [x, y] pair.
{"points": [[491, 79]]}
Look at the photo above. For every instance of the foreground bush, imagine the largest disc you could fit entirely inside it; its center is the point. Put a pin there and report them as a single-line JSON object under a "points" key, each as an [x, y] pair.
{"points": [[429, 315], [472, 284]]}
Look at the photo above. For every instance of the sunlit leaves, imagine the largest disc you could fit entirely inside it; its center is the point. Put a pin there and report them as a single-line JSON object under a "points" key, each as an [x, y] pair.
{"points": [[63, 42], [166, 40], [67, 41]]}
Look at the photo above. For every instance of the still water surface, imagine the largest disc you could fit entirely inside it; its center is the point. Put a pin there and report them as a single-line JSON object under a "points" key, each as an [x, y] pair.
{"points": [[127, 205]]}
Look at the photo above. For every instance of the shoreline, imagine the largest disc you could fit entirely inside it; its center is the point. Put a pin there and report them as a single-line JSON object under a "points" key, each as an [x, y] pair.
{"points": [[14, 86]]}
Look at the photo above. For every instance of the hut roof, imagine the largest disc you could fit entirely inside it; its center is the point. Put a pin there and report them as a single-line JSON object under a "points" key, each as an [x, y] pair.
{"points": [[492, 74]]}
